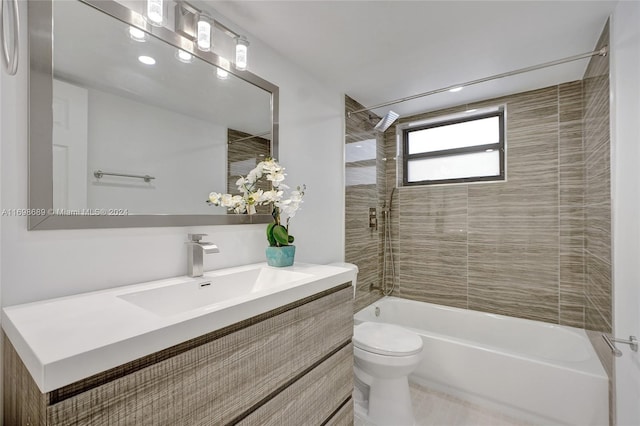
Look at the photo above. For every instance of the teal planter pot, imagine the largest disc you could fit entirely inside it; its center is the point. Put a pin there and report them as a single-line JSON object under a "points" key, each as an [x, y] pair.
{"points": [[280, 256]]}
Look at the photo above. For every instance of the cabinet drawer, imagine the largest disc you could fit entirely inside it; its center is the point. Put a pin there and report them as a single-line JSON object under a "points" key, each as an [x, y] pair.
{"points": [[313, 398], [344, 416], [217, 382]]}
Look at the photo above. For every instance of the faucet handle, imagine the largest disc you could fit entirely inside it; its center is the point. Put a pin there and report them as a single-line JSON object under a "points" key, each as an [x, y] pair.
{"points": [[196, 237]]}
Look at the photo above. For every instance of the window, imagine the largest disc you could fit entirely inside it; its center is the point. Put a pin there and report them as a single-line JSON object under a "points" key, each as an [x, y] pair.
{"points": [[455, 150]]}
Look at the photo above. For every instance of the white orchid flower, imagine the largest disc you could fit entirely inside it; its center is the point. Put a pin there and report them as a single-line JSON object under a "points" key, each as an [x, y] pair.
{"points": [[226, 200], [276, 178], [255, 197], [214, 198], [297, 196], [251, 197], [254, 175], [271, 196]]}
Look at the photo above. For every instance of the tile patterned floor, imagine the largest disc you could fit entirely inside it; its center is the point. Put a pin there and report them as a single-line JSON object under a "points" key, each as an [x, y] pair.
{"points": [[432, 408]]}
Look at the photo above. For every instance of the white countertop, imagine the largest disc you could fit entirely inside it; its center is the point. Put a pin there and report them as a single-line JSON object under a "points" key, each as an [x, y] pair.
{"points": [[67, 339]]}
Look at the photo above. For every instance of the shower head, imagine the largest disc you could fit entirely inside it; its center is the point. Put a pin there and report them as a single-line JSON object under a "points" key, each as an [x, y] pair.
{"points": [[386, 121]]}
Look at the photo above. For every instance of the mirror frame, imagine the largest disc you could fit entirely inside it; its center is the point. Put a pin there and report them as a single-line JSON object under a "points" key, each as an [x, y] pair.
{"points": [[40, 156]]}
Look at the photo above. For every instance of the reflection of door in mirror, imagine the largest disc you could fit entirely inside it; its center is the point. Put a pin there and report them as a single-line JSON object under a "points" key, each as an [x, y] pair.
{"points": [[69, 146]]}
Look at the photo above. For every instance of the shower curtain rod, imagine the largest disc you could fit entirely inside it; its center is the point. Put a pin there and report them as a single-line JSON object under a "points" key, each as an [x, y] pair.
{"points": [[601, 52]]}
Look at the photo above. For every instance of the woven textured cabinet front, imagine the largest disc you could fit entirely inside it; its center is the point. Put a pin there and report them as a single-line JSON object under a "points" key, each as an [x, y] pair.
{"points": [[287, 366]]}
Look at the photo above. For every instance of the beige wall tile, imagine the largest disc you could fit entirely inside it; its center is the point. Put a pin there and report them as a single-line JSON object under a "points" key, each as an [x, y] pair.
{"points": [[535, 246]]}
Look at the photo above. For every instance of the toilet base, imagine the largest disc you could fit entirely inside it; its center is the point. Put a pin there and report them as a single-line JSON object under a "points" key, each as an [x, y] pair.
{"points": [[386, 403]]}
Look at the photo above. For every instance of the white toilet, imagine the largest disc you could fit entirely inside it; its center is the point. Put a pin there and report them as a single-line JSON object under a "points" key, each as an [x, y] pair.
{"points": [[384, 356]]}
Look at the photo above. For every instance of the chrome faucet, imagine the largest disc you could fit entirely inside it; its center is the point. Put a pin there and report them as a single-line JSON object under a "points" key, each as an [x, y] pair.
{"points": [[196, 252]]}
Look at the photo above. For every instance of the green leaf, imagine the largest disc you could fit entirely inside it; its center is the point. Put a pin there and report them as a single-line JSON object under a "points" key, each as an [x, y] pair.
{"points": [[281, 235], [270, 238], [291, 239]]}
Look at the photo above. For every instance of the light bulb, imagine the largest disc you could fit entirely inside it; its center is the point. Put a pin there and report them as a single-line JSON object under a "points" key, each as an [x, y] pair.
{"points": [[183, 56], [205, 32], [155, 13], [242, 46], [147, 60], [137, 34], [222, 74]]}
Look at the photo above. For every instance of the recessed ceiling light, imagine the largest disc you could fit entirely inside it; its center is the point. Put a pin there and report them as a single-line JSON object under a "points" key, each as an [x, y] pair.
{"points": [[136, 34], [222, 74], [358, 146], [183, 56], [456, 89], [471, 110], [147, 60]]}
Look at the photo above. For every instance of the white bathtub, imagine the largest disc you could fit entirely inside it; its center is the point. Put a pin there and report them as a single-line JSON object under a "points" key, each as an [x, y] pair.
{"points": [[538, 372]]}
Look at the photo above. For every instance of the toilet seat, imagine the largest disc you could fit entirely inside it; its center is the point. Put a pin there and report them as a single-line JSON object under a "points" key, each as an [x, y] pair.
{"points": [[386, 339]]}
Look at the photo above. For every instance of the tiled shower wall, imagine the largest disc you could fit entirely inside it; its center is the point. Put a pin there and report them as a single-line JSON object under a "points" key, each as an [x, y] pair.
{"points": [[598, 289], [536, 246], [597, 207], [514, 247], [362, 243]]}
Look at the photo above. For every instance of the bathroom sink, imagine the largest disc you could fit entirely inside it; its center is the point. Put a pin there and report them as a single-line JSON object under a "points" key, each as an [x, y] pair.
{"points": [[68, 339], [211, 289]]}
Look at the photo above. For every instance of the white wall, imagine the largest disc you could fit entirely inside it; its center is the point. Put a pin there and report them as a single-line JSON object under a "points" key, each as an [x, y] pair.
{"points": [[625, 123], [312, 151], [187, 157], [44, 264]]}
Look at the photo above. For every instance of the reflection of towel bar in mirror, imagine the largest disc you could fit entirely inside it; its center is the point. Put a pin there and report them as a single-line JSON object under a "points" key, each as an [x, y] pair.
{"points": [[99, 174]]}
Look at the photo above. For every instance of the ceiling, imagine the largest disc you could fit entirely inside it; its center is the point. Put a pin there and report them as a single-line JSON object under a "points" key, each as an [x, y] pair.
{"points": [[378, 51]]}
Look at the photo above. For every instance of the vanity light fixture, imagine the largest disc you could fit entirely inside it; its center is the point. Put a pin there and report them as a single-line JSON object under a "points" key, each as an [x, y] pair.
{"points": [[204, 37], [184, 56], [242, 46], [136, 34], [155, 12], [147, 60], [198, 26], [222, 74]]}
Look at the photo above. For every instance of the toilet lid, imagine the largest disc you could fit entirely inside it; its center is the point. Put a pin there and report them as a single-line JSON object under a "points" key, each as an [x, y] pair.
{"points": [[386, 339]]}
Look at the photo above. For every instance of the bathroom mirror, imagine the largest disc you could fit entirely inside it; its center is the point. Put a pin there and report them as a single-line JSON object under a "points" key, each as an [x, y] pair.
{"points": [[132, 128]]}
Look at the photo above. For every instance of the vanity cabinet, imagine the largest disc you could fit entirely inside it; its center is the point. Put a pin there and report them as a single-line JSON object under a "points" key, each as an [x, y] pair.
{"points": [[292, 365]]}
